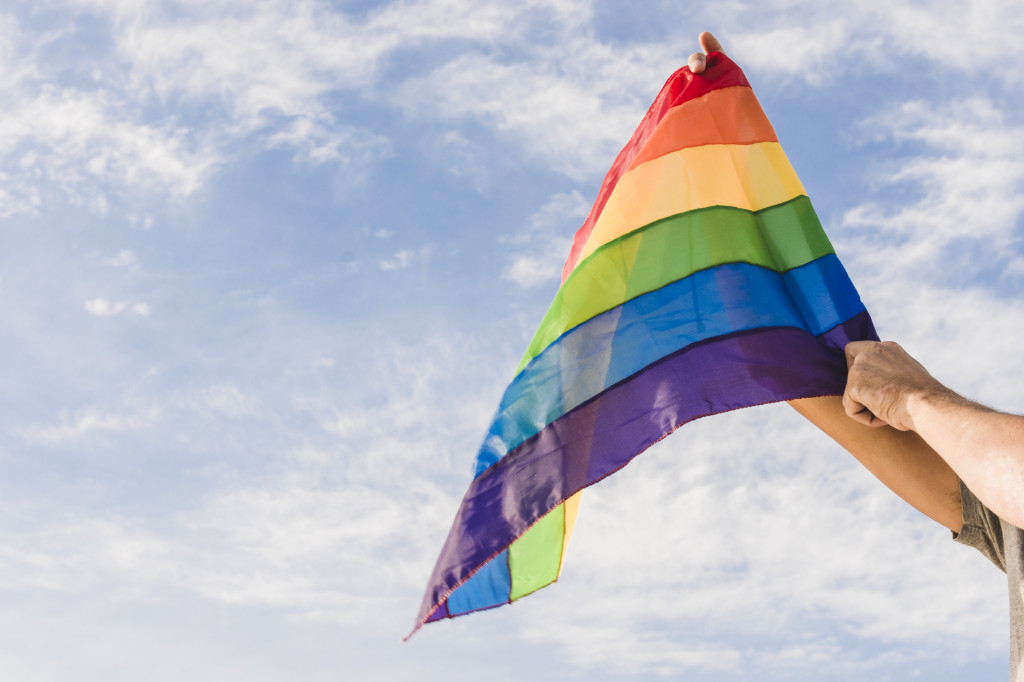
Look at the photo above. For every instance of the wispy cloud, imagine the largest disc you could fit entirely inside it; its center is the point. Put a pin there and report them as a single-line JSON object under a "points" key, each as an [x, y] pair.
{"points": [[965, 163], [570, 105], [805, 40], [101, 307], [225, 400], [125, 258], [83, 422], [285, 62], [67, 551], [325, 141], [404, 258], [546, 241], [80, 139]]}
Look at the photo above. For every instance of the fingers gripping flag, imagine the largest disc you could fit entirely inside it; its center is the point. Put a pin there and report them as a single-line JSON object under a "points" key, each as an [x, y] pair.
{"points": [[701, 282]]}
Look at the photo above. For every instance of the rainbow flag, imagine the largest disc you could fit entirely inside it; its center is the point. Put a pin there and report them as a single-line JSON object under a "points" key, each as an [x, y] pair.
{"points": [[701, 282]]}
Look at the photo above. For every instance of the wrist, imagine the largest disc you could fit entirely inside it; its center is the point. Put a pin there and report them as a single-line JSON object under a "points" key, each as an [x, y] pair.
{"points": [[915, 404], [925, 402]]}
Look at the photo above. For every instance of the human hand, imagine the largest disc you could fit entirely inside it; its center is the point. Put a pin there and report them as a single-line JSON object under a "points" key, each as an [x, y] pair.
{"points": [[698, 60], [882, 382]]}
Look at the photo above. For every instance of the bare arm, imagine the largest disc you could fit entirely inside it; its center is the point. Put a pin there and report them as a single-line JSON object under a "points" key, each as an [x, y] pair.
{"points": [[985, 448], [901, 460]]}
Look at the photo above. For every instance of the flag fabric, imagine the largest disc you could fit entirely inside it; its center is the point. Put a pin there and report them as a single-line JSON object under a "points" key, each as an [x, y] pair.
{"points": [[701, 282]]}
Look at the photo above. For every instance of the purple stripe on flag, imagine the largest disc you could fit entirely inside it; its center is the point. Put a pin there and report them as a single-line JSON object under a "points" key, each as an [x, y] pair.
{"points": [[602, 435], [441, 612]]}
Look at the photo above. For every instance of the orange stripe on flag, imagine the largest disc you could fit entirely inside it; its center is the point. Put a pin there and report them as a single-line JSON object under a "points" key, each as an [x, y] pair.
{"points": [[727, 116]]}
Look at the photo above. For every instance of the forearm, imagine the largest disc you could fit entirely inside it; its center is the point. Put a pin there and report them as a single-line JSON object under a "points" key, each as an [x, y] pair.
{"points": [[984, 447], [901, 460]]}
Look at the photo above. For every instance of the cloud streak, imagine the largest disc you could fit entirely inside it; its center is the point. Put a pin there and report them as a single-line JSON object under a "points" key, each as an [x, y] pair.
{"points": [[101, 307]]}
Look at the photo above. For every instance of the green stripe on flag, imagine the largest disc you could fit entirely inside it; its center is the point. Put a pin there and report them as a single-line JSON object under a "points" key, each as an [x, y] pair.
{"points": [[533, 559]]}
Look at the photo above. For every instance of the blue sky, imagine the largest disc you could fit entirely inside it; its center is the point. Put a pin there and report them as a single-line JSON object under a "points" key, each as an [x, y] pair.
{"points": [[267, 267]]}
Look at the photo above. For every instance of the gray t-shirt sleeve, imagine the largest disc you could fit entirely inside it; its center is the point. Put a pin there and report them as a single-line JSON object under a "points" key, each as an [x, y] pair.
{"points": [[1003, 543], [982, 529]]}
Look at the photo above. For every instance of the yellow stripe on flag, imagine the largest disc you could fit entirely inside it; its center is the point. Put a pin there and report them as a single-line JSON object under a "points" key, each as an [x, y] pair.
{"points": [[571, 508], [752, 177]]}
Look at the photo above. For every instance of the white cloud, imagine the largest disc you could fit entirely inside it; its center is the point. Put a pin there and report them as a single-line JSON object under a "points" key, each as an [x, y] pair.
{"points": [[18, 197], [101, 307], [404, 258], [276, 69], [325, 141], [69, 552], [340, 528], [225, 400], [399, 261], [125, 258], [797, 50], [804, 39], [269, 67], [273, 69], [278, 64], [486, 21], [970, 176], [570, 105], [274, 56], [546, 241], [291, 534], [78, 140], [604, 645], [74, 426], [530, 271], [144, 222]]}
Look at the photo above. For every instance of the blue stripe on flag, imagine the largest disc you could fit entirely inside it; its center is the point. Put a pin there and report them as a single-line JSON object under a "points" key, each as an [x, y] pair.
{"points": [[616, 344]]}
